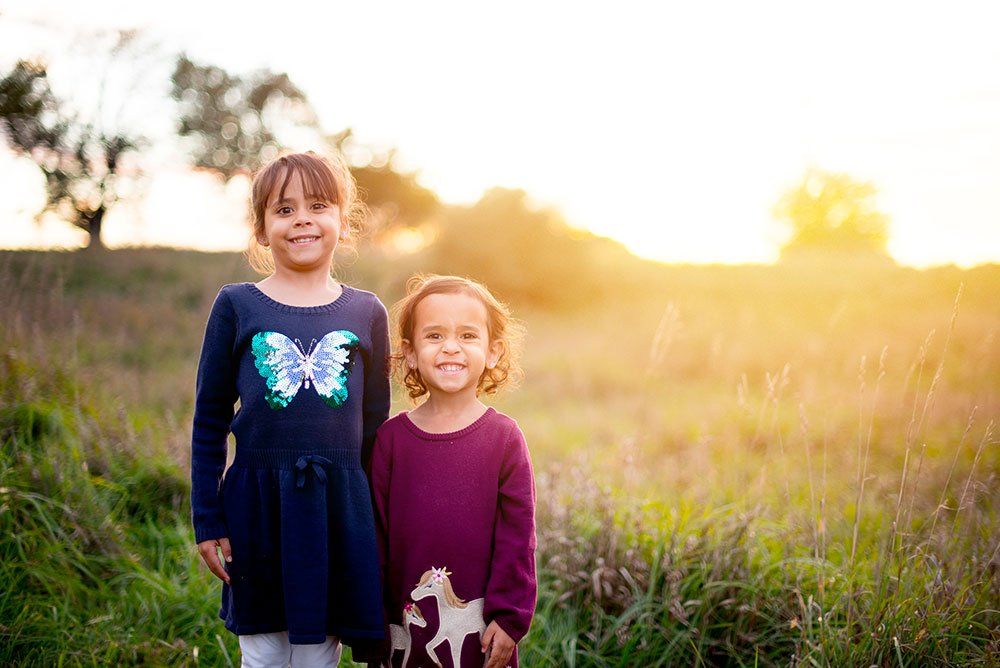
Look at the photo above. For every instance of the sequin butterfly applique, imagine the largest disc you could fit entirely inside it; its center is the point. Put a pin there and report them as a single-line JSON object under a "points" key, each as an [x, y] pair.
{"points": [[286, 366]]}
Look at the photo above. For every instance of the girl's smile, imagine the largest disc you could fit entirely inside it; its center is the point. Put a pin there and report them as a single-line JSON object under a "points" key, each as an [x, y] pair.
{"points": [[451, 368]]}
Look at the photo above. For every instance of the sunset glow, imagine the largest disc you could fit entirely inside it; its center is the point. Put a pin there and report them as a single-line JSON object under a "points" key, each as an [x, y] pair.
{"points": [[673, 130]]}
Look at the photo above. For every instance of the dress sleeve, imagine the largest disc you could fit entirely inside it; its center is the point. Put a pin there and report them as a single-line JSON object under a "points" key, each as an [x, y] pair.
{"points": [[375, 408], [215, 397], [512, 588]]}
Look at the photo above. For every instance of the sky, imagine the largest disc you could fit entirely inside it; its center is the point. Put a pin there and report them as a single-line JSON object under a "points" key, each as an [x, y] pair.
{"points": [[671, 127]]}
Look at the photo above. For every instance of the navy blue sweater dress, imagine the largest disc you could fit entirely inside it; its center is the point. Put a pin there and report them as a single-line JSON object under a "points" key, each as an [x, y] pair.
{"points": [[312, 384]]}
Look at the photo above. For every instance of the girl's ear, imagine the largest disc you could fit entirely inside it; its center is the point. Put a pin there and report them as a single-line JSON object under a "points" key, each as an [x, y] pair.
{"points": [[409, 354], [496, 351]]}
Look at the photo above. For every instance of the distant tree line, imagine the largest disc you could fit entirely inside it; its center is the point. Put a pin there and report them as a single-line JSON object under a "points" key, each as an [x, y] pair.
{"points": [[231, 123]]}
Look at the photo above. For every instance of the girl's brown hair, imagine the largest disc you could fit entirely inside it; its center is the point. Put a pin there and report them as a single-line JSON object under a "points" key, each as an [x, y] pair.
{"points": [[328, 177], [501, 327]]}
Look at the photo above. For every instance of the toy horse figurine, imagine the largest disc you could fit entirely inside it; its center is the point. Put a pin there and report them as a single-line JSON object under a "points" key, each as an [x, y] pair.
{"points": [[400, 635], [457, 618]]}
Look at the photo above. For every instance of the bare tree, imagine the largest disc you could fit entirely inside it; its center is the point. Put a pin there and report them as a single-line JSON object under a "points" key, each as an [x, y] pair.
{"points": [[231, 123], [83, 157]]}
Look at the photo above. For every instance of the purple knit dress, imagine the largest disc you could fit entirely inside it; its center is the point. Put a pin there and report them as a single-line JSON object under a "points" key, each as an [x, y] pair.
{"points": [[455, 517]]}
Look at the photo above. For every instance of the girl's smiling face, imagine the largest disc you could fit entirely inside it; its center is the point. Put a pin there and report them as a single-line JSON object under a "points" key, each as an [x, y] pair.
{"points": [[451, 345], [302, 229]]}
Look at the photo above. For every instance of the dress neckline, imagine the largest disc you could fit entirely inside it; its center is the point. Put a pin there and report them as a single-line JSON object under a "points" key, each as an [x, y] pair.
{"points": [[447, 435], [346, 293]]}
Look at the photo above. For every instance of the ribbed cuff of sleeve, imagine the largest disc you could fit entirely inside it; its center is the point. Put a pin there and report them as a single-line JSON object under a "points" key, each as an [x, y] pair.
{"points": [[210, 531]]}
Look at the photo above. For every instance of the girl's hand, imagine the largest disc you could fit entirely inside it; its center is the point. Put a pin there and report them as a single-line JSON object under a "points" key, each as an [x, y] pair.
{"points": [[209, 553], [503, 645]]}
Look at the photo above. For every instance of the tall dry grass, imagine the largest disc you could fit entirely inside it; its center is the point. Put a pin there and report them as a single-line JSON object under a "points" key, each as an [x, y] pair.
{"points": [[736, 465]]}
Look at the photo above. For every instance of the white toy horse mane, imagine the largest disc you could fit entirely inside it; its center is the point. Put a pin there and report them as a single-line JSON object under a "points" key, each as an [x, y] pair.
{"points": [[400, 635], [457, 618]]}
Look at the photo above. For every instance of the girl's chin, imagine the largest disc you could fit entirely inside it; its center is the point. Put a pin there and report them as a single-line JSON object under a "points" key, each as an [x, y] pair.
{"points": [[307, 260], [452, 393]]}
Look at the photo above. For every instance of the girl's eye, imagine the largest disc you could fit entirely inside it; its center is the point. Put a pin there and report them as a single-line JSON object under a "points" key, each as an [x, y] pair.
{"points": [[470, 335], [285, 210], [321, 205]]}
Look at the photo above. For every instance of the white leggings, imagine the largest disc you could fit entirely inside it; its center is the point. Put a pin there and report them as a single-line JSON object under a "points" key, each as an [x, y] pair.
{"points": [[272, 650]]}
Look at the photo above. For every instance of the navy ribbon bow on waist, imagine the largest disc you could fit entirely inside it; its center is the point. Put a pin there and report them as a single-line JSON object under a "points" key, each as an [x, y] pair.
{"points": [[306, 462]]}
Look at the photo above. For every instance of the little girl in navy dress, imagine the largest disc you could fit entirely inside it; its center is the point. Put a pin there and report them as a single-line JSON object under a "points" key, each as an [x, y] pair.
{"points": [[307, 358], [453, 486]]}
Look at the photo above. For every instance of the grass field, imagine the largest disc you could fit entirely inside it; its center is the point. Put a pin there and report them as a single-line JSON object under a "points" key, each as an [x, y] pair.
{"points": [[736, 465]]}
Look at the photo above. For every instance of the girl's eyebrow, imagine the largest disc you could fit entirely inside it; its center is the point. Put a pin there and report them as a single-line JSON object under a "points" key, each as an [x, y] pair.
{"points": [[433, 326], [315, 198]]}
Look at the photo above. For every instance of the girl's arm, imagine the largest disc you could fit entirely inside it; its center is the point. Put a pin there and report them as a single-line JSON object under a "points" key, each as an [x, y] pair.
{"points": [[511, 589], [375, 409], [215, 396]]}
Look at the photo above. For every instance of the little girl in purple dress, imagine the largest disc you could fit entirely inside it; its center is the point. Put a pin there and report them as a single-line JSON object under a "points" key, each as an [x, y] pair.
{"points": [[453, 486]]}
